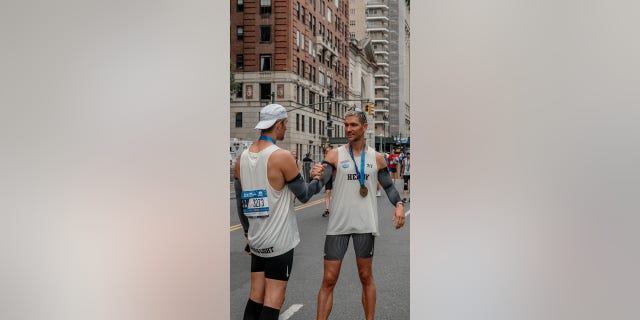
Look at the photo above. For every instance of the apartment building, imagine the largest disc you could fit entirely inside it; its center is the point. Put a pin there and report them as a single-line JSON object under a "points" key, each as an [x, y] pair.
{"points": [[295, 53], [386, 24]]}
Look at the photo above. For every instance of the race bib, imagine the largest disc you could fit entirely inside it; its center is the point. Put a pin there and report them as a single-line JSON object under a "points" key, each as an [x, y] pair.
{"points": [[255, 203]]}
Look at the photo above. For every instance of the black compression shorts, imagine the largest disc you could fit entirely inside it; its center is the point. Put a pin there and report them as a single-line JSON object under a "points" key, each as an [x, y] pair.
{"points": [[278, 267], [329, 184]]}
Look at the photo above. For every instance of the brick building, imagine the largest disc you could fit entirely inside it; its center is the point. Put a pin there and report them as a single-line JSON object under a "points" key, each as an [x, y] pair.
{"points": [[295, 53]]}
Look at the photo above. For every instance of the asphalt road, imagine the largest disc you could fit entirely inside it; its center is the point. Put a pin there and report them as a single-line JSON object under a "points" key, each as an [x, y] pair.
{"points": [[390, 267]]}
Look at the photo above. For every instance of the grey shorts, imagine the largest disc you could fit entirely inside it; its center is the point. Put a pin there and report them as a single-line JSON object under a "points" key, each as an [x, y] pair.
{"points": [[335, 246]]}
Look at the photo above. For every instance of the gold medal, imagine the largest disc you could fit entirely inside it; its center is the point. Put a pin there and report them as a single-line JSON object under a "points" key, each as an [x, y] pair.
{"points": [[363, 191]]}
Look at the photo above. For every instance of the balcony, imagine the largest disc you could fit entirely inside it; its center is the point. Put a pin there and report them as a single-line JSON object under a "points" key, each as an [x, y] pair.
{"points": [[376, 29], [380, 17], [378, 5], [322, 46]]}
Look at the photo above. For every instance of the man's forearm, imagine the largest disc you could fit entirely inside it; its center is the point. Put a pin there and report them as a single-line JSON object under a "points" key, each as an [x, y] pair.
{"points": [[302, 190], [243, 219], [387, 184]]}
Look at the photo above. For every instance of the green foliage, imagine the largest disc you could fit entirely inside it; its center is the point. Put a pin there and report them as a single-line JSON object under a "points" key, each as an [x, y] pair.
{"points": [[233, 85]]}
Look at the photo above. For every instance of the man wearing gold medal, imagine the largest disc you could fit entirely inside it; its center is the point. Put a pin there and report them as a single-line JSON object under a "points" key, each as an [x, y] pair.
{"points": [[356, 170]]}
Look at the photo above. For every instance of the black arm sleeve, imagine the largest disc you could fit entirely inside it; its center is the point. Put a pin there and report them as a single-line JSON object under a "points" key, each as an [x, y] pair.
{"points": [[328, 172], [387, 183], [243, 219], [303, 190]]}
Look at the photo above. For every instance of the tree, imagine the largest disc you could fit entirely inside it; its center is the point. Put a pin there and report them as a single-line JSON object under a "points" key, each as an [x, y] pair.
{"points": [[233, 85]]}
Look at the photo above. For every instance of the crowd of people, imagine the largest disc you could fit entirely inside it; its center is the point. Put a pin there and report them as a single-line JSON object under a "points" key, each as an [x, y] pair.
{"points": [[269, 179]]}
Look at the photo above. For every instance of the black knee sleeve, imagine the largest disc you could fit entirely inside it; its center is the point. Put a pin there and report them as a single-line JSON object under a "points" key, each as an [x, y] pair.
{"points": [[406, 186], [269, 313], [252, 310]]}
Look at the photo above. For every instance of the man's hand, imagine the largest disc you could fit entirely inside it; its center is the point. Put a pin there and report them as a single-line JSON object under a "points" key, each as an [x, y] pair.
{"points": [[317, 171], [398, 216]]}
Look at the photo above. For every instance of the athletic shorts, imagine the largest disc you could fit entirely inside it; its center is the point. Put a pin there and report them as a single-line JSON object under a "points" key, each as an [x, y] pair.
{"points": [[329, 184], [393, 169], [335, 246], [406, 178], [278, 267]]}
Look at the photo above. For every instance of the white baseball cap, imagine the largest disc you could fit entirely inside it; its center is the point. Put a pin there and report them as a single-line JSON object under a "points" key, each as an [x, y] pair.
{"points": [[270, 114]]}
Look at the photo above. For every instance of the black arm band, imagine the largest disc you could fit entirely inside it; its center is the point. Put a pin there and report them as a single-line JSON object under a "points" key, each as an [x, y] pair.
{"points": [[304, 191], [387, 183], [243, 219], [328, 172]]}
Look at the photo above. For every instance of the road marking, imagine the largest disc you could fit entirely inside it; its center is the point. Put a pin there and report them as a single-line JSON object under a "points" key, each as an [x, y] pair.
{"points": [[309, 204], [287, 314], [302, 206]]}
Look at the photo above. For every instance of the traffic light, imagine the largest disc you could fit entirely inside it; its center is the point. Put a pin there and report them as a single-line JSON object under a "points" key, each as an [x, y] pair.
{"points": [[369, 108]]}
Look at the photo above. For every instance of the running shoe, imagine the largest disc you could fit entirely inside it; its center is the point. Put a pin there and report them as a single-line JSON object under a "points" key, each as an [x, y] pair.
{"points": [[326, 213]]}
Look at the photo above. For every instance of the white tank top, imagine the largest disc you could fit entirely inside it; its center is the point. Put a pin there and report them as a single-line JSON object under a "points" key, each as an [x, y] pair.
{"points": [[273, 229], [350, 212]]}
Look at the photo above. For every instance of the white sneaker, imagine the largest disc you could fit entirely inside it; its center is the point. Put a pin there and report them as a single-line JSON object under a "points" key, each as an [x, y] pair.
{"points": [[378, 193]]}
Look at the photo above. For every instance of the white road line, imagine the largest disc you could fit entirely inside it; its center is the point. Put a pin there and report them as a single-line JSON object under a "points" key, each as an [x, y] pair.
{"points": [[287, 314]]}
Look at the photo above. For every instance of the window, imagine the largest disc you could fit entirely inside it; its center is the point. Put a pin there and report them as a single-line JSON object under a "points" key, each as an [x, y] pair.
{"points": [[310, 125], [265, 62], [337, 3], [352, 22], [239, 61], [304, 15], [353, 35], [265, 91], [321, 78], [298, 10], [239, 91], [240, 32], [240, 6], [352, 11], [298, 66], [265, 6], [329, 14], [302, 122], [297, 38], [314, 125], [302, 41], [310, 47], [238, 119], [265, 33], [297, 122]]}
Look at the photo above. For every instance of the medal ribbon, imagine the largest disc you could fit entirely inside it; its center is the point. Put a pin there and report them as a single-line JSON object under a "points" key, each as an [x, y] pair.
{"points": [[360, 176], [267, 138]]}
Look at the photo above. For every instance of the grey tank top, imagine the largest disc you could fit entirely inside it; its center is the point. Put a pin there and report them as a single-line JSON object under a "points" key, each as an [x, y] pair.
{"points": [[273, 229], [350, 212]]}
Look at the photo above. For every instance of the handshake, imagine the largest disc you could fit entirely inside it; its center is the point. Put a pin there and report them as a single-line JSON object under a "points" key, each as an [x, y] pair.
{"points": [[317, 171]]}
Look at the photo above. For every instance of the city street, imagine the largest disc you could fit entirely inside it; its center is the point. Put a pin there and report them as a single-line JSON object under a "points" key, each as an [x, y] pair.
{"points": [[390, 267]]}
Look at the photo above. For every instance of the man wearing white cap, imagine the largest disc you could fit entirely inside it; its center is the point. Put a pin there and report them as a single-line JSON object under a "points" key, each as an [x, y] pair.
{"points": [[266, 177]]}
